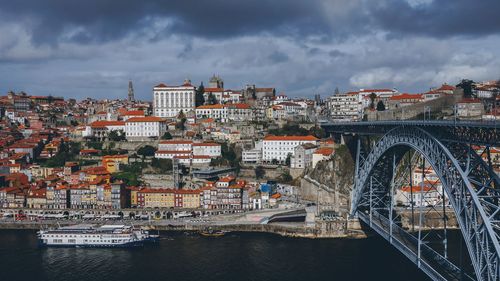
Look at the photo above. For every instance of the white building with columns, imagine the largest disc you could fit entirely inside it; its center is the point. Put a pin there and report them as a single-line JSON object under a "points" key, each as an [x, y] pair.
{"points": [[168, 101]]}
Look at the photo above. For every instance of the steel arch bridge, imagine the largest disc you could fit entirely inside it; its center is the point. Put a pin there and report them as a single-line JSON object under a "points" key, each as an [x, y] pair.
{"points": [[469, 182]]}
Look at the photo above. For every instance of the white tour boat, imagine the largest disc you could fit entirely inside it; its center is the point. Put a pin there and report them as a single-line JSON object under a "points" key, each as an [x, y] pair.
{"points": [[88, 235]]}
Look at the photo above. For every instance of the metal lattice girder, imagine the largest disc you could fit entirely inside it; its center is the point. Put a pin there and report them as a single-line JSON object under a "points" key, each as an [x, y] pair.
{"points": [[465, 179]]}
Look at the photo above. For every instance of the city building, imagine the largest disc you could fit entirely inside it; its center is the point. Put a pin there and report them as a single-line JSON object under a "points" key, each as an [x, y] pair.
{"points": [[402, 100], [320, 154], [112, 162], [225, 112], [382, 95], [144, 128], [278, 148], [100, 129], [344, 107], [302, 156], [470, 108], [185, 149], [169, 101]]}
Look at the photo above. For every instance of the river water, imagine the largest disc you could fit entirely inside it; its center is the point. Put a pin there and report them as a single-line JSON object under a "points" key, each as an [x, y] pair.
{"points": [[185, 256]]}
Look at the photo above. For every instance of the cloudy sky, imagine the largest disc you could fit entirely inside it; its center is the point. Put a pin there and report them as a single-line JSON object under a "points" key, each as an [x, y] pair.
{"points": [[301, 47]]}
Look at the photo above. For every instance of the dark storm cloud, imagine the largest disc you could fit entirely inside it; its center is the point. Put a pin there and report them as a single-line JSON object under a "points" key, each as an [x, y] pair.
{"points": [[301, 47], [439, 18], [103, 20]]}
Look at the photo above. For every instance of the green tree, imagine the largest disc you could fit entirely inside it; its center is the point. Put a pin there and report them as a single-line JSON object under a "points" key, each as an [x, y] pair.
{"points": [[181, 124], [317, 131], [129, 178], [67, 152], [166, 136], [466, 85], [380, 106], [288, 159], [211, 99], [164, 165], [372, 97], [146, 150], [95, 145], [289, 130], [260, 172], [274, 161], [286, 177], [199, 98], [116, 135]]}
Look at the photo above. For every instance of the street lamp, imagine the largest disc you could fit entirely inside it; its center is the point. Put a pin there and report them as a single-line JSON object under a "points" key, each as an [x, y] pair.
{"points": [[427, 109]]}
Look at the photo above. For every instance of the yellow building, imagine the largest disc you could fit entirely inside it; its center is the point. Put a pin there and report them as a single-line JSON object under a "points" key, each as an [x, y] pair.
{"points": [[155, 198], [190, 199], [133, 196], [112, 162]]}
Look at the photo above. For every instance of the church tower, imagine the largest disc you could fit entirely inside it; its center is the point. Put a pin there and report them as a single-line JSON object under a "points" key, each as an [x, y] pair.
{"points": [[216, 82], [130, 91]]}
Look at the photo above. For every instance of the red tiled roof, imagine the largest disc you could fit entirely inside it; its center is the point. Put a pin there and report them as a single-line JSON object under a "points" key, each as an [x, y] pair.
{"points": [[211, 106], [213, 90], [134, 113], [326, 151], [290, 138], [206, 144], [145, 119], [105, 123], [226, 179], [193, 157], [173, 152], [375, 90], [446, 87], [156, 190], [179, 141], [417, 188], [239, 105], [406, 96]]}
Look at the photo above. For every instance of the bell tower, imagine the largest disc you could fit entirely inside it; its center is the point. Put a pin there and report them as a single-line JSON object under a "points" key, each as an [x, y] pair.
{"points": [[130, 91]]}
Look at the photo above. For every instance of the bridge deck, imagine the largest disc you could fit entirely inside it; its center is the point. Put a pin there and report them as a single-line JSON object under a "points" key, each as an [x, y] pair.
{"points": [[472, 132]]}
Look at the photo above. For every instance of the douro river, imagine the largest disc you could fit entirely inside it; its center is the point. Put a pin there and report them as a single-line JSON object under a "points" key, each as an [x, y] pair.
{"points": [[188, 256]]}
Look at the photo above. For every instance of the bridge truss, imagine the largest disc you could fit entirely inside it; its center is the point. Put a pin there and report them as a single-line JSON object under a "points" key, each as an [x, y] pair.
{"points": [[469, 189]]}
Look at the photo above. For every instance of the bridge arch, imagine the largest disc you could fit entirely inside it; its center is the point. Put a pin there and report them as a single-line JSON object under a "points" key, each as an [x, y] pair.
{"points": [[476, 215]]}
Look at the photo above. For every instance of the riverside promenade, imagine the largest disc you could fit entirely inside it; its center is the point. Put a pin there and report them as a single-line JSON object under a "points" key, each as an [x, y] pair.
{"points": [[253, 221]]}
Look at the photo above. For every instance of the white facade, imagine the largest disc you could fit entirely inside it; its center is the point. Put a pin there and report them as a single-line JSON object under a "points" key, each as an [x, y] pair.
{"points": [[216, 111], [196, 160], [252, 156], [175, 145], [382, 94], [420, 196], [225, 112], [168, 101], [209, 149], [279, 147], [145, 127], [344, 107], [302, 156], [183, 149], [468, 108]]}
